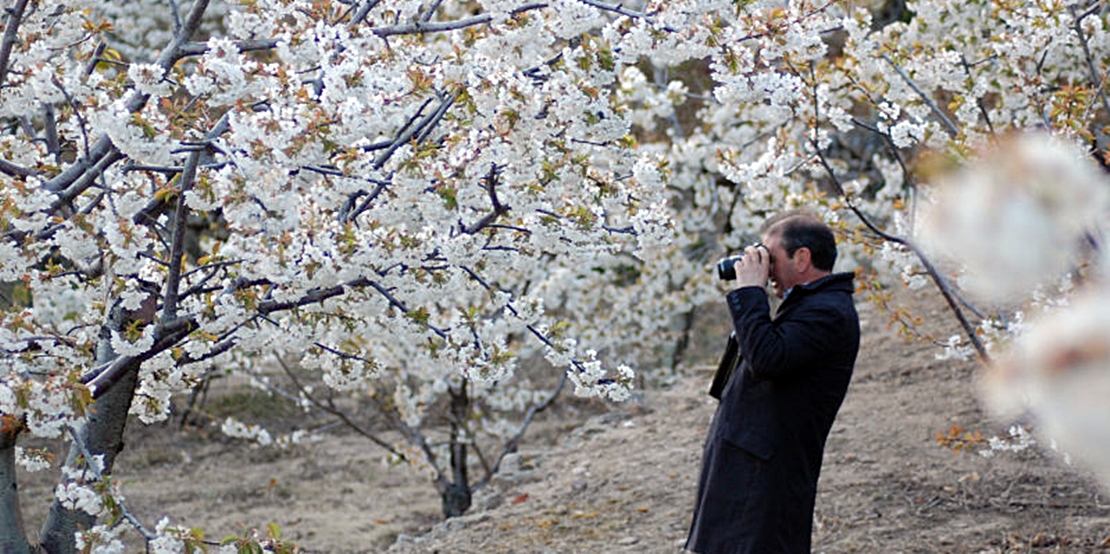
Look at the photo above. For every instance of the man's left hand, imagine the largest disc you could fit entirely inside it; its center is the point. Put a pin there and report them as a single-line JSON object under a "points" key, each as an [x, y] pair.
{"points": [[754, 269]]}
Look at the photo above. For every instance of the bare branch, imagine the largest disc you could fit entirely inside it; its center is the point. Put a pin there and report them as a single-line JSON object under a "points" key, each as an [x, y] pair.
{"points": [[431, 11], [347, 214], [200, 48], [427, 122], [513, 443], [13, 170], [50, 130], [362, 12]]}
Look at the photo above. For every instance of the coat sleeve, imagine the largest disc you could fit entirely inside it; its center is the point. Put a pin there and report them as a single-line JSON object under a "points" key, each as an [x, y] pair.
{"points": [[781, 349]]}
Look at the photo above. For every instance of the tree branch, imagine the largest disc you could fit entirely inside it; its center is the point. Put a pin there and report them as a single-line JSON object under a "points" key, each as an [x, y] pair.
{"points": [[98, 475], [950, 127], [1096, 79], [331, 409], [177, 246], [11, 34], [428, 121], [424, 27], [498, 208], [513, 443], [166, 335], [941, 283], [621, 10], [13, 170], [362, 12]]}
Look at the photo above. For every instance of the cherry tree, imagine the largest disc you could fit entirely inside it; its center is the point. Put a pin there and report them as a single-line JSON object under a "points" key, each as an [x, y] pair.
{"points": [[390, 192], [408, 198]]}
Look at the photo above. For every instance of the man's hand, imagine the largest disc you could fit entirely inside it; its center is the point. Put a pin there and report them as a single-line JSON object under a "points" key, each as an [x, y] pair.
{"points": [[755, 267]]}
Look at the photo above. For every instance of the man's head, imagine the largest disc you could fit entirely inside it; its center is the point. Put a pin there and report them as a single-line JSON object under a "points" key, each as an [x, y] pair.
{"points": [[802, 247]]}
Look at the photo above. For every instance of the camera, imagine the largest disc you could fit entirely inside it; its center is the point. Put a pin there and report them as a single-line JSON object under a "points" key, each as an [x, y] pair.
{"points": [[725, 269]]}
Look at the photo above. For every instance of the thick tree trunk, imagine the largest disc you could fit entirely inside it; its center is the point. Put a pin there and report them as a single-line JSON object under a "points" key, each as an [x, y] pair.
{"points": [[12, 538], [103, 434]]}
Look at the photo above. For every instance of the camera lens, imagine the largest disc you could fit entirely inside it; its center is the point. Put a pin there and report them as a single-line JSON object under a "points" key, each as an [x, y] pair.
{"points": [[725, 269]]}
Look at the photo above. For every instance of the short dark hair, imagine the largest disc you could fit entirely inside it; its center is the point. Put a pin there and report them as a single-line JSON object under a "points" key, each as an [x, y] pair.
{"points": [[798, 228]]}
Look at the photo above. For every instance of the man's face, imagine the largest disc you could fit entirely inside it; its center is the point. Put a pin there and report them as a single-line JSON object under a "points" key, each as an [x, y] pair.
{"points": [[784, 273]]}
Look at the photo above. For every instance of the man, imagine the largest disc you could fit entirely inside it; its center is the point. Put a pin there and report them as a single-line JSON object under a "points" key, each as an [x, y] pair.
{"points": [[763, 451]]}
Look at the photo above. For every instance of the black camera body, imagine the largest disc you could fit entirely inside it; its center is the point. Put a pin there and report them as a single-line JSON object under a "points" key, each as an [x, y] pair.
{"points": [[725, 269]]}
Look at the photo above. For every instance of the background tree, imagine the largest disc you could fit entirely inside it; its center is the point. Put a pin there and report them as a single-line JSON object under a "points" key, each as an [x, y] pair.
{"points": [[407, 198]]}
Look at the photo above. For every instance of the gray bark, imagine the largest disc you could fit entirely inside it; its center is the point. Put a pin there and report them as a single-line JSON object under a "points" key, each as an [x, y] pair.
{"points": [[12, 538], [103, 434]]}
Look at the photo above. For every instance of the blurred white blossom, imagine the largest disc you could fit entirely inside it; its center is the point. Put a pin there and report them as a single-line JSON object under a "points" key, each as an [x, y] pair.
{"points": [[1015, 218]]}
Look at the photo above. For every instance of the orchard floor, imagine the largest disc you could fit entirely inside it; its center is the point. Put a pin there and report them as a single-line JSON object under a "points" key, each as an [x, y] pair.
{"points": [[622, 479]]}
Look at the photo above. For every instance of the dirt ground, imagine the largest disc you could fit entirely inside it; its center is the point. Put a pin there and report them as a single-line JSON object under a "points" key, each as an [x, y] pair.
{"points": [[622, 479]]}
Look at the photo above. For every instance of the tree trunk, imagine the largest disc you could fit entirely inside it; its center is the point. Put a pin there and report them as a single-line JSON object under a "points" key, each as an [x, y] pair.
{"points": [[12, 538], [103, 434], [457, 494]]}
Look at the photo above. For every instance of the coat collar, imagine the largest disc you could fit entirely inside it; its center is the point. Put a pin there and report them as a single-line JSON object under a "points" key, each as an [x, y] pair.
{"points": [[833, 282]]}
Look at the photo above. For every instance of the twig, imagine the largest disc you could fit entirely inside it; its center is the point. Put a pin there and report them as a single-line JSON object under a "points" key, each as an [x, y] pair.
{"points": [[362, 12], [978, 100], [200, 48], [411, 131]]}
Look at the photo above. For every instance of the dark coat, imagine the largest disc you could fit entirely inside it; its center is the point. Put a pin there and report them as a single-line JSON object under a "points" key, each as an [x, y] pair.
{"points": [[763, 451]]}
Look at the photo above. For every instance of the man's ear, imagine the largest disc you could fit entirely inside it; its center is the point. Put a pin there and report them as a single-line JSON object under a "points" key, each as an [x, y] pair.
{"points": [[803, 258]]}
